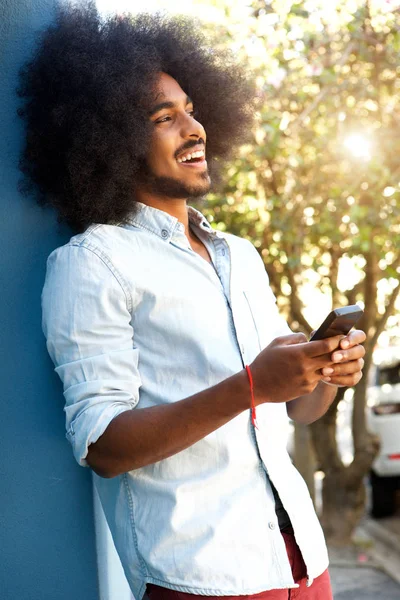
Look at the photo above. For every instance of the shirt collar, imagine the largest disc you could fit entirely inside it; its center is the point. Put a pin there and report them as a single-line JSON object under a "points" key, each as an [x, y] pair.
{"points": [[164, 225]]}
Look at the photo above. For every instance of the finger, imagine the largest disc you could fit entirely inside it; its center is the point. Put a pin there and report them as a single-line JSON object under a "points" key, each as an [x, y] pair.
{"points": [[322, 363], [322, 366], [346, 355], [355, 337], [328, 382], [348, 368], [321, 347], [327, 362], [346, 380]]}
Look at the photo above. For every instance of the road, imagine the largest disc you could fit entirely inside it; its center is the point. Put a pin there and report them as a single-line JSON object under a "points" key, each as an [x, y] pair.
{"points": [[372, 569], [375, 573], [363, 583]]}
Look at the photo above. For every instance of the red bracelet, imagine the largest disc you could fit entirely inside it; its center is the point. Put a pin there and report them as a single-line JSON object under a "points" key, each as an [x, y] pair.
{"points": [[253, 404]]}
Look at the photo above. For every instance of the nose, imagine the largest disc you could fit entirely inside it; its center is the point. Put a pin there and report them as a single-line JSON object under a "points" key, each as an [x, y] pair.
{"points": [[192, 128]]}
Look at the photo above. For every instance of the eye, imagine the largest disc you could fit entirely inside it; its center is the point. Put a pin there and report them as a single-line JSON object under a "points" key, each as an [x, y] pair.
{"points": [[163, 119]]}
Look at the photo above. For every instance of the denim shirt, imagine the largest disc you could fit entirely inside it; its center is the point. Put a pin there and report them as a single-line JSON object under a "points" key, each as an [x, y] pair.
{"points": [[134, 318]]}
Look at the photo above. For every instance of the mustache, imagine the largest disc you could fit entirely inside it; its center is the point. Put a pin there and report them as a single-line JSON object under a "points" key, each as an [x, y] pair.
{"points": [[188, 145]]}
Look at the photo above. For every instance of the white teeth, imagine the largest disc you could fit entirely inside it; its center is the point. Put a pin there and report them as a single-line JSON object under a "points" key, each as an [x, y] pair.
{"points": [[197, 154]]}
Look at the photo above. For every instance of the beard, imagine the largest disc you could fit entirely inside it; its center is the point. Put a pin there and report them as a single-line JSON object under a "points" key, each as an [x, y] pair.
{"points": [[175, 188]]}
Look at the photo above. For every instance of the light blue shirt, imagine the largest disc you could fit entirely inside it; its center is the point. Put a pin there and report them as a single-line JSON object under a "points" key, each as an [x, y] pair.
{"points": [[134, 318]]}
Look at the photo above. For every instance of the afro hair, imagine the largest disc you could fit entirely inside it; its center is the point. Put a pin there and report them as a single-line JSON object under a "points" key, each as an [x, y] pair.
{"points": [[86, 94]]}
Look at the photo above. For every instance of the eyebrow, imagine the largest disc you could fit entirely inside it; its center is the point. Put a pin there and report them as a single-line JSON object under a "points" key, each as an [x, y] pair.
{"points": [[167, 104]]}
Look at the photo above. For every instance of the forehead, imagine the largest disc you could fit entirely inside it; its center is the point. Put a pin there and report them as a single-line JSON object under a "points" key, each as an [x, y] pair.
{"points": [[167, 88]]}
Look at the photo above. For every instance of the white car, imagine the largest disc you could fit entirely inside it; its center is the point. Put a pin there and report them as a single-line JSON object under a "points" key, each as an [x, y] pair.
{"points": [[383, 416]]}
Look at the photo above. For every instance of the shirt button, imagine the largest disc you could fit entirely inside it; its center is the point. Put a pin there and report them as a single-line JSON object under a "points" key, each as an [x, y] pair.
{"points": [[164, 233], [242, 348], [271, 525]]}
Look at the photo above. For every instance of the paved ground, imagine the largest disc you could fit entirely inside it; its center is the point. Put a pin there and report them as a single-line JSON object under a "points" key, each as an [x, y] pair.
{"points": [[363, 583], [371, 569]]}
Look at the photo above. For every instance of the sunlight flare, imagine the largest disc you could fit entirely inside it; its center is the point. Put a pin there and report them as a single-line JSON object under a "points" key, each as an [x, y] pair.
{"points": [[359, 146]]}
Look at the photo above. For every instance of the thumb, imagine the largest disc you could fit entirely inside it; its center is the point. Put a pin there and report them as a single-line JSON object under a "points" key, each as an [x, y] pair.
{"points": [[289, 340]]}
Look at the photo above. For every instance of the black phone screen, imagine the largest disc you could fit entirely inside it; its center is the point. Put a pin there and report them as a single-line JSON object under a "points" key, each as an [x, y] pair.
{"points": [[338, 322]]}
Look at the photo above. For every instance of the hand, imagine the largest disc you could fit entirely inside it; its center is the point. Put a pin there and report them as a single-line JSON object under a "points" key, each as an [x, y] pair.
{"points": [[291, 367], [346, 370]]}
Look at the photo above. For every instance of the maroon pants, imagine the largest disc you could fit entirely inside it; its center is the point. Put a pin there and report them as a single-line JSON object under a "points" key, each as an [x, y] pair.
{"points": [[319, 590]]}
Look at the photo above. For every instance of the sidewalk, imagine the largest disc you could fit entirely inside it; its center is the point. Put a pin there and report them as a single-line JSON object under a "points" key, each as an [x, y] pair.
{"points": [[370, 569]]}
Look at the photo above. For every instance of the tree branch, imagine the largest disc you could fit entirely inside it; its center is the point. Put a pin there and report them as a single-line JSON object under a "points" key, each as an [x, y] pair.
{"points": [[323, 434], [296, 305], [388, 312], [274, 181]]}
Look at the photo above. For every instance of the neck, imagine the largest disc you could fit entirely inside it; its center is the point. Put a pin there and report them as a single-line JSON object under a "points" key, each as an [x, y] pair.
{"points": [[174, 207]]}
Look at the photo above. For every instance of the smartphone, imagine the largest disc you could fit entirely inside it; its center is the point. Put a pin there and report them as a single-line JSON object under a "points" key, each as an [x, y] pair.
{"points": [[339, 321]]}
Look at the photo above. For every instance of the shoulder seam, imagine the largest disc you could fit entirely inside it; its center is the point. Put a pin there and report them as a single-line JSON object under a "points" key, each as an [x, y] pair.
{"points": [[88, 232], [113, 270]]}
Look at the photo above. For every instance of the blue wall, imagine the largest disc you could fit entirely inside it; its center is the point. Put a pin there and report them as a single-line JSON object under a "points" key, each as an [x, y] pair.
{"points": [[46, 510]]}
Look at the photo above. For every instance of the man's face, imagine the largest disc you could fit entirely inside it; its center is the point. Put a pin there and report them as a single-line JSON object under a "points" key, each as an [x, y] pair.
{"points": [[172, 172]]}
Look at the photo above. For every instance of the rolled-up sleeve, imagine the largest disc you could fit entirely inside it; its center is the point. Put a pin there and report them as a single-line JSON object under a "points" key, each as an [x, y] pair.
{"points": [[87, 325]]}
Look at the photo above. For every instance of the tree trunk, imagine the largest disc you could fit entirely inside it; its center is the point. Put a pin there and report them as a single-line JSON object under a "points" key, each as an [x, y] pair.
{"points": [[338, 506], [343, 488], [359, 427], [343, 506], [304, 456]]}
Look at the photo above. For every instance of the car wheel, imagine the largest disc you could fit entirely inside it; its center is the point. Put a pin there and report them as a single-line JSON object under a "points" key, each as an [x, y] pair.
{"points": [[383, 495]]}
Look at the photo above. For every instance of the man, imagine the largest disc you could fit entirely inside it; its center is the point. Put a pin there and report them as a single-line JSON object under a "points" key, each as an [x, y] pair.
{"points": [[178, 371]]}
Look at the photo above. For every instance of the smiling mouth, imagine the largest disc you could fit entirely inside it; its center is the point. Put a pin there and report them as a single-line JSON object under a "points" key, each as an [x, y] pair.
{"points": [[195, 158]]}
